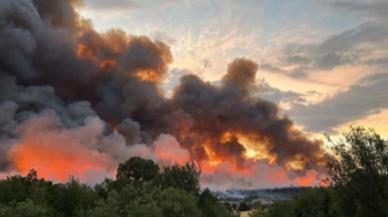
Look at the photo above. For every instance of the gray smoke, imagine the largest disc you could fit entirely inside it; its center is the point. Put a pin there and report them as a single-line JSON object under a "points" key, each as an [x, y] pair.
{"points": [[52, 59]]}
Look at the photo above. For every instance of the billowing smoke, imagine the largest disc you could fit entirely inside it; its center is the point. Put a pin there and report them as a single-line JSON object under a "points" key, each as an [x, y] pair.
{"points": [[74, 101]]}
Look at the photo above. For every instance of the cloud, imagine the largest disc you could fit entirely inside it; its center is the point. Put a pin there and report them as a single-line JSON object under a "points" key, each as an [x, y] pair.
{"points": [[353, 46], [364, 46], [111, 5], [367, 96], [276, 95], [375, 8]]}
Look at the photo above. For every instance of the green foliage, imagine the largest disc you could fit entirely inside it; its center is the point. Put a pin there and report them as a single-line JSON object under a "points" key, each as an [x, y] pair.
{"points": [[211, 206], [137, 169], [185, 177], [359, 174], [107, 207], [177, 202], [243, 207], [259, 211], [140, 190], [317, 202], [282, 209], [24, 209], [14, 189], [147, 201], [72, 198]]}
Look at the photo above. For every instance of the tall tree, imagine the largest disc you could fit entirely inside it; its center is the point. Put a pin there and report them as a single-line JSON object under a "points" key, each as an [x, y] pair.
{"points": [[137, 169], [182, 177], [359, 174]]}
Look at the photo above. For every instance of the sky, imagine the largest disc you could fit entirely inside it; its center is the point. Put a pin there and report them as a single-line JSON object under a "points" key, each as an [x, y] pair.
{"points": [[324, 62], [246, 89]]}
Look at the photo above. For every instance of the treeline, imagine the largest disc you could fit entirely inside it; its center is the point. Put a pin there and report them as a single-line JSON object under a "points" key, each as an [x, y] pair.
{"points": [[357, 187], [140, 190], [358, 182]]}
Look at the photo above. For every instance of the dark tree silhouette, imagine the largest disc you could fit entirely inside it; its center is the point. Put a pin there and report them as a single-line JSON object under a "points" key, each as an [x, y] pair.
{"points": [[137, 169]]}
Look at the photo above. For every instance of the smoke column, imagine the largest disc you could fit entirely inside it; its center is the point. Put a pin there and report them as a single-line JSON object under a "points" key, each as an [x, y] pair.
{"points": [[74, 101]]}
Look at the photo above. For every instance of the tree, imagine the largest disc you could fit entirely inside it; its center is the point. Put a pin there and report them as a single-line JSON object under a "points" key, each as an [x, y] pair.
{"points": [[137, 169], [316, 202], [178, 203], [107, 207], [211, 206], [259, 211], [32, 176], [72, 197], [182, 177], [147, 201], [359, 174], [140, 190], [25, 209], [14, 189], [281, 209], [243, 207]]}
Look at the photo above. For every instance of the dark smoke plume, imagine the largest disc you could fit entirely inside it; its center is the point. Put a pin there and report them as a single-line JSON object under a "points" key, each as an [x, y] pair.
{"points": [[53, 60]]}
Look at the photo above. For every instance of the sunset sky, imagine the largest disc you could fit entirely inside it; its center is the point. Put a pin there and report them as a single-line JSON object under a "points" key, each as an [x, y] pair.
{"points": [[246, 89], [323, 61]]}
